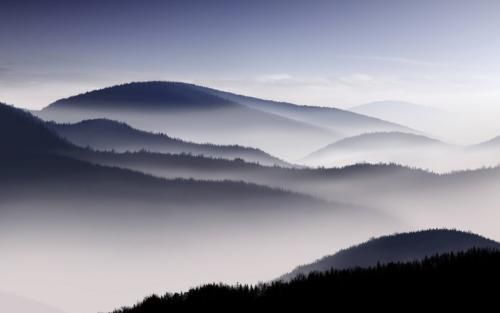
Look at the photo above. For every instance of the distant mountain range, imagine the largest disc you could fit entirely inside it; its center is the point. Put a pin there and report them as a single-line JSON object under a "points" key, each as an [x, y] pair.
{"points": [[57, 200], [383, 147], [405, 247], [406, 149], [493, 143], [417, 116], [62, 179], [185, 208], [337, 120], [389, 192], [103, 134], [44, 162], [201, 114], [380, 141]]}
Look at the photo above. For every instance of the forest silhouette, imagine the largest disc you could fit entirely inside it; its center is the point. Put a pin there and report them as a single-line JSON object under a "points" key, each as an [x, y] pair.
{"points": [[445, 280]]}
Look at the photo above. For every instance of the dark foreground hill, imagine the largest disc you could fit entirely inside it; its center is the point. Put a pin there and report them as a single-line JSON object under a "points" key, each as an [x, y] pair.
{"points": [[405, 247], [22, 133], [445, 281]]}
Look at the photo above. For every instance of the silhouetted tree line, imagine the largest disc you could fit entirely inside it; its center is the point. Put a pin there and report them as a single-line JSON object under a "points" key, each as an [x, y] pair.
{"points": [[454, 280]]}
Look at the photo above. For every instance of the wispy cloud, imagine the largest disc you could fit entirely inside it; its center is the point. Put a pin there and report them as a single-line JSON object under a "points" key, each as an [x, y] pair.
{"points": [[353, 79], [271, 78], [397, 60], [288, 80]]}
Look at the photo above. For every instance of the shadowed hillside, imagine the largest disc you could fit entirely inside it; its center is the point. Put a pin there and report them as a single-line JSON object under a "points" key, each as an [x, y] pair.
{"points": [[341, 121], [152, 96], [419, 197], [38, 158], [437, 281], [57, 203], [405, 247], [190, 112], [20, 132], [102, 134]]}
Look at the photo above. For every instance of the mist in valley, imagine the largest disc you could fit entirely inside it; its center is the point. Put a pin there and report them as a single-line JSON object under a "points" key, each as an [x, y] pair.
{"points": [[152, 148], [144, 210]]}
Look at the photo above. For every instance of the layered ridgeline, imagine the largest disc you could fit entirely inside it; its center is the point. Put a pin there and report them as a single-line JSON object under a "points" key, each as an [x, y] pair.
{"points": [[341, 121], [405, 149], [399, 248], [427, 119], [55, 203], [45, 177], [103, 134], [405, 195], [52, 169], [437, 281], [200, 114]]}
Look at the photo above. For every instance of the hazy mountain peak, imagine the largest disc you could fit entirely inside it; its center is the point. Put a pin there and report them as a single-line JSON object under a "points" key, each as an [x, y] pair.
{"points": [[491, 143], [424, 118], [193, 113], [98, 122], [151, 95], [394, 105], [385, 147], [377, 141]]}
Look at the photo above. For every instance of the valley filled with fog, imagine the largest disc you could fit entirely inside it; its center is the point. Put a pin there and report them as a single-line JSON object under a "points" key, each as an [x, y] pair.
{"points": [[151, 187], [248, 156]]}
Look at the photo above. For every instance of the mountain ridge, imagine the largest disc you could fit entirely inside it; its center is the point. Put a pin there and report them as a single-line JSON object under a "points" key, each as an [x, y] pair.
{"points": [[105, 134], [151, 95], [400, 247], [31, 135], [323, 116], [226, 124]]}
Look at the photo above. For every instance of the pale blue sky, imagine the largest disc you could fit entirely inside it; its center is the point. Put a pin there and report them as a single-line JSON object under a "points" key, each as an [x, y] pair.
{"points": [[339, 53]]}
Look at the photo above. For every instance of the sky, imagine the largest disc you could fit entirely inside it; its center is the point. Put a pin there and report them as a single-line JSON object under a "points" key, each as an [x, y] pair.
{"points": [[443, 53]]}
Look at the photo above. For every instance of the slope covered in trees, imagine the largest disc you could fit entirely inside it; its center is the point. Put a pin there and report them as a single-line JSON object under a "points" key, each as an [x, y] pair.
{"points": [[47, 167], [21, 133], [404, 247], [103, 134], [449, 280]]}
